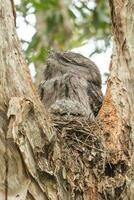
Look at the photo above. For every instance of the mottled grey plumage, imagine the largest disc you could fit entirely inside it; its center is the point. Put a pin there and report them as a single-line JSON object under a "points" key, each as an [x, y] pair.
{"points": [[72, 85]]}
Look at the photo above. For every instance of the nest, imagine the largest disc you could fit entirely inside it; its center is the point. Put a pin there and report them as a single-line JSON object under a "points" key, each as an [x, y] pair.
{"points": [[80, 136], [82, 149]]}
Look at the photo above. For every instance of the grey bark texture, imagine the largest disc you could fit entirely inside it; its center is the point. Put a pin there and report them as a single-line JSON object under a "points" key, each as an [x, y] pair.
{"points": [[69, 158]]}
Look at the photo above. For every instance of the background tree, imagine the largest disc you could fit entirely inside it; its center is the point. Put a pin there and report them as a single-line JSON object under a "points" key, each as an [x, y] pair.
{"points": [[34, 161], [64, 25]]}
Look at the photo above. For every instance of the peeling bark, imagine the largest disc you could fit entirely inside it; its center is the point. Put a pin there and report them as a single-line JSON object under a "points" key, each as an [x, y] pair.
{"points": [[69, 158], [117, 110], [23, 125], [119, 96]]}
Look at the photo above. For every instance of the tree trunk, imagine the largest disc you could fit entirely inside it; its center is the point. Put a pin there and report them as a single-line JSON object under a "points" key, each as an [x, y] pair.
{"points": [[117, 110], [23, 125], [41, 162]]}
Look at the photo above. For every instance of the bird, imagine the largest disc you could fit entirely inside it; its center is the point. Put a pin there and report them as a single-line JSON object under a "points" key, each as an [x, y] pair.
{"points": [[71, 85]]}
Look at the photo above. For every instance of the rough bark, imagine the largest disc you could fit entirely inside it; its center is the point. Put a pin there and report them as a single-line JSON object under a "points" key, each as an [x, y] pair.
{"points": [[117, 110], [23, 135], [76, 159], [119, 94], [31, 158]]}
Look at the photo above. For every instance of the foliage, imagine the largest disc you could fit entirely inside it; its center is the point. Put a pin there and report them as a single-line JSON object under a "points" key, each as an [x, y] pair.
{"points": [[65, 24]]}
